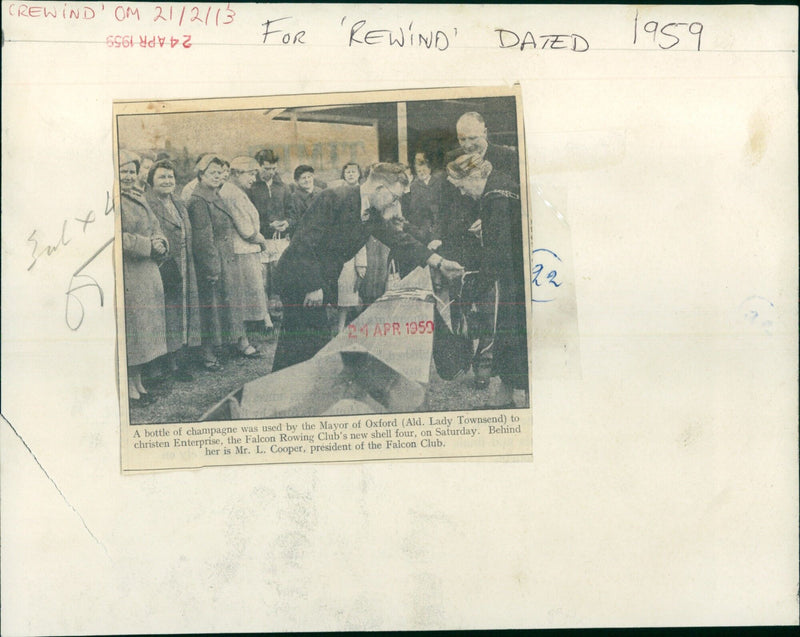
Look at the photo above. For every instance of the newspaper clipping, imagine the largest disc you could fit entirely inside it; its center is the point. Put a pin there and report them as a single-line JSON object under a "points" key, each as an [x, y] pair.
{"points": [[323, 278]]}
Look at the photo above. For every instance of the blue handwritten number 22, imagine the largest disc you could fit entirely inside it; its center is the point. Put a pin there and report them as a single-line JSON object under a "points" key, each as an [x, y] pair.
{"points": [[551, 276], [543, 256]]}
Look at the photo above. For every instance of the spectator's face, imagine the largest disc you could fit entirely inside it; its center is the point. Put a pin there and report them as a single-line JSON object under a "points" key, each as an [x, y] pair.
{"points": [[268, 171], [306, 182], [351, 175], [164, 181], [213, 176], [421, 166], [226, 172], [127, 176], [246, 180], [472, 136]]}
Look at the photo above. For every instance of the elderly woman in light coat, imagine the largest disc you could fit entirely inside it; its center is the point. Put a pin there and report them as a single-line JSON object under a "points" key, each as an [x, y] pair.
{"points": [[248, 244], [142, 243], [181, 304]]}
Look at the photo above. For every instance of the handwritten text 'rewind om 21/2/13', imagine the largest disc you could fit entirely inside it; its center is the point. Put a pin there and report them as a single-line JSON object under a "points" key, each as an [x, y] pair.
{"points": [[212, 15]]}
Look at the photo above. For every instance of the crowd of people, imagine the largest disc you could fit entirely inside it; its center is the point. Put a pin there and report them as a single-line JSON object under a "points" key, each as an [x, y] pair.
{"points": [[237, 251]]}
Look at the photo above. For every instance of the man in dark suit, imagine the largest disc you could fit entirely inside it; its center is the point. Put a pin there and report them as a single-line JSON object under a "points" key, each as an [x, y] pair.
{"points": [[272, 197], [273, 200], [460, 223], [337, 225]]}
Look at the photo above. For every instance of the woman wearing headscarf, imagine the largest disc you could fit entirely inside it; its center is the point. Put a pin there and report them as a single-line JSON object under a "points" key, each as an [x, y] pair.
{"points": [[248, 243], [499, 227], [181, 304], [142, 243], [218, 280]]}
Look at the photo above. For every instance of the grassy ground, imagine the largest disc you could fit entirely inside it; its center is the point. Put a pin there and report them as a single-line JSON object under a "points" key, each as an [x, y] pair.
{"points": [[188, 401]]}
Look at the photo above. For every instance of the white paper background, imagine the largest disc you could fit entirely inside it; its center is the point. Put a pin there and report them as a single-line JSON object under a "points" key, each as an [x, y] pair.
{"points": [[664, 482]]}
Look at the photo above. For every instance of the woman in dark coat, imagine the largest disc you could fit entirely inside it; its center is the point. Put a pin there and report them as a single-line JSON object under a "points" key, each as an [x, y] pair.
{"points": [[501, 265], [181, 304], [305, 189], [142, 243], [421, 206], [215, 262]]}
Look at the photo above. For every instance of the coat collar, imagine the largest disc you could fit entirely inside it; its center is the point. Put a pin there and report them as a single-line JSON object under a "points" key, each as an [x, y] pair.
{"points": [[137, 196], [210, 196], [159, 209]]}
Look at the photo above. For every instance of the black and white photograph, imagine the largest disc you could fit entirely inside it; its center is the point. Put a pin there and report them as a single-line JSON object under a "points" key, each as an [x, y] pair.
{"points": [[359, 257], [354, 317]]}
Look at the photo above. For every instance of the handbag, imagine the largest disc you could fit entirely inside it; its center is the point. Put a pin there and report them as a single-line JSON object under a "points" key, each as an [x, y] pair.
{"points": [[276, 246]]}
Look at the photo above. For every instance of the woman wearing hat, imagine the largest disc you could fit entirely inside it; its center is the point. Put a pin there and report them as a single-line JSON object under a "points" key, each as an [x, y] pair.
{"points": [[501, 266], [248, 243], [182, 308], [213, 231], [142, 243], [305, 189]]}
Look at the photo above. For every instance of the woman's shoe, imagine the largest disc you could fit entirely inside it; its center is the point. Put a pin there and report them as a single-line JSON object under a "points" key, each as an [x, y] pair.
{"points": [[142, 401], [157, 386]]}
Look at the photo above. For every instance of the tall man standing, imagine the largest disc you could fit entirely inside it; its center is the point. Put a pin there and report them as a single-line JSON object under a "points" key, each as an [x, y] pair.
{"points": [[337, 225], [276, 214]]}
